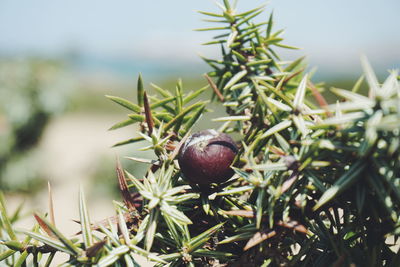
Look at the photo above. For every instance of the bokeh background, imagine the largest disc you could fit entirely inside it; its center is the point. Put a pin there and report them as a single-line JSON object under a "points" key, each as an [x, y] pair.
{"points": [[59, 58]]}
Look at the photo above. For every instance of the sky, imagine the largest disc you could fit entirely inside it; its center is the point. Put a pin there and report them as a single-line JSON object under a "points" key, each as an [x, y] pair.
{"points": [[332, 34]]}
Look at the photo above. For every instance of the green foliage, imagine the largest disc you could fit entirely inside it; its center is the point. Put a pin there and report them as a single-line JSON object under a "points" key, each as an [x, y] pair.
{"points": [[313, 185], [31, 92]]}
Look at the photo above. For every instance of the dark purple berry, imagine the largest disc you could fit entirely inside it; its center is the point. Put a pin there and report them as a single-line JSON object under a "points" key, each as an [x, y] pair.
{"points": [[291, 162], [206, 157]]}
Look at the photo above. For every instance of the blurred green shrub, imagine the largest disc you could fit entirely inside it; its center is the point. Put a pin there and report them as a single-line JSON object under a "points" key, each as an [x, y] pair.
{"points": [[31, 92]]}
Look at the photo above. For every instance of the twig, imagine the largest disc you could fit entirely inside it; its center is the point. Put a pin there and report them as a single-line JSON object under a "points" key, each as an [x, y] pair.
{"points": [[215, 88]]}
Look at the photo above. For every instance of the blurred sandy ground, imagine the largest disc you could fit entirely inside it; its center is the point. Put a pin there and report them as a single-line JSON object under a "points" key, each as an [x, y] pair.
{"points": [[71, 147]]}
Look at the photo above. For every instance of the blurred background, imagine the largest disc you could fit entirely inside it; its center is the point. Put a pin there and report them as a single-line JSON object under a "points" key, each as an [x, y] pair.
{"points": [[59, 58]]}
